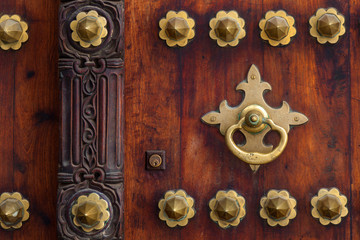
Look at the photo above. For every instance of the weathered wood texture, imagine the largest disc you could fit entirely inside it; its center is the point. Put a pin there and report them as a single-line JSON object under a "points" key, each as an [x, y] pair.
{"points": [[167, 91], [29, 113], [354, 117]]}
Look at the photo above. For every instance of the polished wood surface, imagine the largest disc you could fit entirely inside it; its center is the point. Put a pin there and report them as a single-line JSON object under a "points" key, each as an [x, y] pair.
{"points": [[29, 113], [167, 91]]}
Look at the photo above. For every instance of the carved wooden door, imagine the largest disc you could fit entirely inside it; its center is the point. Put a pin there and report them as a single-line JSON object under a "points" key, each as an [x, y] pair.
{"points": [[137, 157]]}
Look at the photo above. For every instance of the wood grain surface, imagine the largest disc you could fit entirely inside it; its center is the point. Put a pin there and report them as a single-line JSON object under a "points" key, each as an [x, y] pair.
{"points": [[167, 90], [29, 113]]}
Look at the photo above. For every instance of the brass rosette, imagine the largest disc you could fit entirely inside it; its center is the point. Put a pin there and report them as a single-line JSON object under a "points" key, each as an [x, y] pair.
{"points": [[227, 208], [13, 210], [333, 25], [90, 212], [329, 206], [88, 29], [227, 28], [12, 32], [277, 28], [176, 208], [278, 208], [177, 28]]}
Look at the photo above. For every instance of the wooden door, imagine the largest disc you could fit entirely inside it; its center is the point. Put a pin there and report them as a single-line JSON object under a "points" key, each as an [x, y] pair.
{"points": [[109, 119], [29, 117], [168, 90]]}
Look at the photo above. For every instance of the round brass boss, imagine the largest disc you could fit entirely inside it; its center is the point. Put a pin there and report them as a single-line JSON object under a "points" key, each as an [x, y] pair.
{"points": [[278, 207], [277, 28], [177, 28], [90, 212], [327, 25], [176, 208], [227, 28], [329, 206], [227, 208], [12, 32], [13, 210], [88, 29], [254, 116]]}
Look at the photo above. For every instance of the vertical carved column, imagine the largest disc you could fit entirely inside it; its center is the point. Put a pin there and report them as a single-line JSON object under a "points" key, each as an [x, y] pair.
{"points": [[91, 153]]}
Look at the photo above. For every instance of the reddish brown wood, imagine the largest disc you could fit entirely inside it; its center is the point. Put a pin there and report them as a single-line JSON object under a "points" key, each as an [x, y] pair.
{"points": [[29, 112], [168, 90], [354, 117]]}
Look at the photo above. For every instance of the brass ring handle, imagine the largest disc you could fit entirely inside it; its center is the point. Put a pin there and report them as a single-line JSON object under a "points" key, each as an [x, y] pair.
{"points": [[256, 158]]}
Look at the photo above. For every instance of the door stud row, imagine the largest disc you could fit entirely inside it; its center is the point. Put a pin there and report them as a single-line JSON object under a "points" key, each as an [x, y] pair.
{"points": [[227, 28], [227, 208]]}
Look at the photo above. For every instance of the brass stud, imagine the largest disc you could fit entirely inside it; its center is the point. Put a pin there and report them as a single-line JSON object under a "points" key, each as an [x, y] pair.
{"points": [[90, 212], [177, 29], [89, 29], [278, 208], [329, 206], [13, 210], [277, 28], [227, 28], [327, 25], [227, 208], [12, 32], [176, 208]]}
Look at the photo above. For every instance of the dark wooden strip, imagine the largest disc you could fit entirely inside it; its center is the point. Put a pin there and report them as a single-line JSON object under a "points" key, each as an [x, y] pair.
{"points": [[90, 122], [354, 52]]}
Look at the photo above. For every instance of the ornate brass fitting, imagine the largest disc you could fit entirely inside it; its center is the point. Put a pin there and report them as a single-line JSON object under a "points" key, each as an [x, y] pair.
{"points": [[329, 206], [278, 208], [277, 28], [327, 25], [12, 32], [90, 212], [88, 29], [176, 208], [13, 210], [227, 208], [177, 29], [227, 28], [254, 118]]}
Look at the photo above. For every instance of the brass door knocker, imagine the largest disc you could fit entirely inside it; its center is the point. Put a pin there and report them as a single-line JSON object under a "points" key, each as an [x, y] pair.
{"points": [[254, 118]]}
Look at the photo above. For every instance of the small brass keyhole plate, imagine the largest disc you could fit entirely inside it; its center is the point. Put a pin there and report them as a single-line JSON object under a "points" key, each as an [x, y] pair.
{"points": [[155, 160]]}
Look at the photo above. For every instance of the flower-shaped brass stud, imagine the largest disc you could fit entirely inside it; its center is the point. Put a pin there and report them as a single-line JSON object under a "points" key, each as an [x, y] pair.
{"points": [[327, 25], [90, 212], [278, 208], [329, 206], [227, 28], [227, 208], [12, 32], [176, 208], [13, 210], [177, 29], [89, 29], [277, 28]]}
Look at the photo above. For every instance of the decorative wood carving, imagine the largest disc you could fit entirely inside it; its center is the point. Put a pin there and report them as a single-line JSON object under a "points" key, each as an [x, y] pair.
{"points": [[91, 158]]}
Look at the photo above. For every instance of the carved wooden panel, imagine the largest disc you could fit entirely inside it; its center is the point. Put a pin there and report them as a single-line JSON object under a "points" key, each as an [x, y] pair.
{"points": [[91, 158]]}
